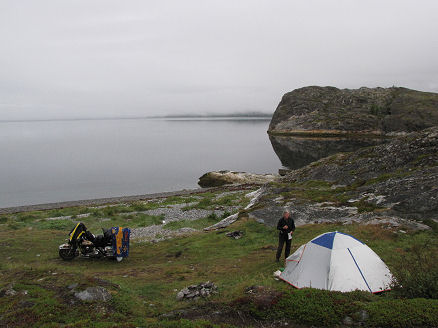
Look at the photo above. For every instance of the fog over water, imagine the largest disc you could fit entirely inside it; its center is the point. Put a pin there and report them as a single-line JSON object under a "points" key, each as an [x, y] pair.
{"points": [[50, 161]]}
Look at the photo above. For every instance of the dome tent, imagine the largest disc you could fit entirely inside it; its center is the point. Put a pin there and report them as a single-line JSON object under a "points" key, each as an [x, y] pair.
{"points": [[336, 261]]}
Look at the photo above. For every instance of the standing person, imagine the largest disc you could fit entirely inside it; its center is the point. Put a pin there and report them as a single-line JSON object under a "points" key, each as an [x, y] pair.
{"points": [[286, 225]]}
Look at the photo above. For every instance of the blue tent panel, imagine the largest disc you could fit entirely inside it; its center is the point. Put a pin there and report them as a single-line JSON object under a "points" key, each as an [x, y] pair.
{"points": [[326, 240]]}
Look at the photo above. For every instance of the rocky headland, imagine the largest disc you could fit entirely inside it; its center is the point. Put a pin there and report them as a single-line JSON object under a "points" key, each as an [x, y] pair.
{"points": [[367, 155], [315, 122]]}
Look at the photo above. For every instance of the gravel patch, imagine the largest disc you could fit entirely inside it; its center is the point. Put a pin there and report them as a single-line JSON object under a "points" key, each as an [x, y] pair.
{"points": [[176, 214], [173, 213], [156, 233]]}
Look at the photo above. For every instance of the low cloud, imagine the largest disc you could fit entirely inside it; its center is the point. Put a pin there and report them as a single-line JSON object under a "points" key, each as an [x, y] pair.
{"points": [[108, 58]]}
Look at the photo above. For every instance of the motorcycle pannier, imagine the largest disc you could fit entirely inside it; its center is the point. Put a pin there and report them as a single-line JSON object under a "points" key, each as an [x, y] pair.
{"points": [[120, 241]]}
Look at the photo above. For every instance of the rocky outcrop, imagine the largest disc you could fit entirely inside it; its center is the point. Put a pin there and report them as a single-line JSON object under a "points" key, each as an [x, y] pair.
{"points": [[395, 183], [220, 178], [329, 111]]}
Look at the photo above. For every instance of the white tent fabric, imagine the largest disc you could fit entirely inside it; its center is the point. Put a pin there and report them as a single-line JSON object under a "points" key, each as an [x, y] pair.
{"points": [[336, 261]]}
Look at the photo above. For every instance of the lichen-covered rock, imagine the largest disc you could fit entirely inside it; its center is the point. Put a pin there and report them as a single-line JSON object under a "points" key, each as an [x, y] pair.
{"points": [[395, 183], [329, 110], [220, 178]]}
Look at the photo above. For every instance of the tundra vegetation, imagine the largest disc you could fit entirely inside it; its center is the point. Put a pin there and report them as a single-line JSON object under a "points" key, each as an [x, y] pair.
{"points": [[36, 285]]}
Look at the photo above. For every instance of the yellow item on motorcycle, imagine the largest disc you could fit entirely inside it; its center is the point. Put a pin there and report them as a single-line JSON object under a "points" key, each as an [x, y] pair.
{"points": [[118, 234], [72, 233], [76, 230], [120, 241]]}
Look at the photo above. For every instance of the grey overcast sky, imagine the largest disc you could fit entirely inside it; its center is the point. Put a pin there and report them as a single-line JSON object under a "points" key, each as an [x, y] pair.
{"points": [[103, 58]]}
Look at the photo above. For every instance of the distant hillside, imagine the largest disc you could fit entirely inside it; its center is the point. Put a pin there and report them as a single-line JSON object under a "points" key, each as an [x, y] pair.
{"points": [[243, 114]]}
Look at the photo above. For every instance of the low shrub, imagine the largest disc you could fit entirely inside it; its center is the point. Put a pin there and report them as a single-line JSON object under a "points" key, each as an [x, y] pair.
{"points": [[314, 307], [402, 313], [184, 323], [416, 272]]}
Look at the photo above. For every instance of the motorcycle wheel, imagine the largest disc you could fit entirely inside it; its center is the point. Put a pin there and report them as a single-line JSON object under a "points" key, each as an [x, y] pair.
{"points": [[67, 254]]}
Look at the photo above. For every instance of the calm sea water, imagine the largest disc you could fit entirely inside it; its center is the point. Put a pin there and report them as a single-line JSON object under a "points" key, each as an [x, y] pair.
{"points": [[51, 161]]}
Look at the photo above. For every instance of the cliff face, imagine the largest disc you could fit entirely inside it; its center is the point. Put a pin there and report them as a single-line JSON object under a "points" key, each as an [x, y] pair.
{"points": [[395, 182], [328, 110], [296, 152]]}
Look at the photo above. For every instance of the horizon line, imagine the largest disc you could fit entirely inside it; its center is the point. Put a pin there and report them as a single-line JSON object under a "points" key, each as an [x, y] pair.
{"points": [[194, 116]]}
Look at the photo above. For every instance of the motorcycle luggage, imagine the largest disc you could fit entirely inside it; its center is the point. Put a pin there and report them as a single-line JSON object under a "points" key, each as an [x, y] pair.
{"points": [[120, 241]]}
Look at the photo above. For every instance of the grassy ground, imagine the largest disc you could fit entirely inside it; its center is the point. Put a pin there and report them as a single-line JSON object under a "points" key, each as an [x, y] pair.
{"points": [[144, 286]]}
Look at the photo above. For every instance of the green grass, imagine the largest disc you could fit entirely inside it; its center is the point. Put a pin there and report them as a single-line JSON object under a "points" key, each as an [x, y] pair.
{"points": [[143, 286], [212, 200], [195, 224], [321, 191], [94, 222]]}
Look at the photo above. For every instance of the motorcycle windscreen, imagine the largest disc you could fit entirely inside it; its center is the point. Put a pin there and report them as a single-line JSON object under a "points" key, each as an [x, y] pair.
{"points": [[77, 231], [120, 241]]}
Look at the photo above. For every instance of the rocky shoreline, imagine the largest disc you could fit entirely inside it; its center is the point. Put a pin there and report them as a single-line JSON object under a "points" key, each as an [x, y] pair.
{"points": [[117, 200], [152, 218]]}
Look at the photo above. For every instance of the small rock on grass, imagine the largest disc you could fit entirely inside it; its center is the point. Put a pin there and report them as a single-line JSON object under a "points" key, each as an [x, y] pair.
{"points": [[8, 291], [348, 321], [73, 286], [204, 289], [235, 234], [92, 294]]}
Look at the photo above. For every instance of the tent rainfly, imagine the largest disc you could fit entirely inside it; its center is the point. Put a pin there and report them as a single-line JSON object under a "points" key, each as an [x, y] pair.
{"points": [[336, 261]]}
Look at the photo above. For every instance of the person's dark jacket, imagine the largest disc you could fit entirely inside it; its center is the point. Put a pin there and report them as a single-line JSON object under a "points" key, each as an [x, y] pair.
{"points": [[290, 225]]}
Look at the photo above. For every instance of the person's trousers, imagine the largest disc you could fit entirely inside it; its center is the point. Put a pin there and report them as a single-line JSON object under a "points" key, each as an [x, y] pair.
{"points": [[281, 240]]}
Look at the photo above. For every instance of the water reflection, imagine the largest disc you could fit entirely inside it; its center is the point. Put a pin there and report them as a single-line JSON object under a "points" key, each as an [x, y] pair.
{"points": [[296, 152]]}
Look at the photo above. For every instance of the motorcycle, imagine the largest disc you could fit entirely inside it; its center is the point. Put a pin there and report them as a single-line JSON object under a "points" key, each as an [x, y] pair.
{"points": [[113, 243]]}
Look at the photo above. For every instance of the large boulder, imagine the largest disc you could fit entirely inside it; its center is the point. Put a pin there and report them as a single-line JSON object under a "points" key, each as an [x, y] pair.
{"points": [[331, 111], [220, 178]]}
